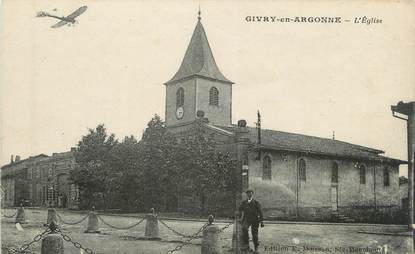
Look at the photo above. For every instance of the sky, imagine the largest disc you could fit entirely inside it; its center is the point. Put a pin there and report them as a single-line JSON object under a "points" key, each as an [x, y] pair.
{"points": [[110, 68]]}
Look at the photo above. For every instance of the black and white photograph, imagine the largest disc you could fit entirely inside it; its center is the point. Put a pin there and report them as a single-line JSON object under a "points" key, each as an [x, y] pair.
{"points": [[207, 126]]}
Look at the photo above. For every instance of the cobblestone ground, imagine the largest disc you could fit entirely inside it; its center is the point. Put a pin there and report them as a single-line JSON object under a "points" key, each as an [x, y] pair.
{"points": [[275, 238]]}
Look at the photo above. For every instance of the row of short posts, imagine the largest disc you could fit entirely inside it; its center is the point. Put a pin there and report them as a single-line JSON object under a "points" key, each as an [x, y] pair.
{"points": [[151, 232], [53, 243], [211, 244]]}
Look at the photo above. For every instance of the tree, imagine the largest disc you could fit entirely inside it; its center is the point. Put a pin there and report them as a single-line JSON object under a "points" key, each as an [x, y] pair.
{"points": [[150, 173], [129, 163], [146, 181], [94, 172], [207, 171], [157, 150], [191, 162]]}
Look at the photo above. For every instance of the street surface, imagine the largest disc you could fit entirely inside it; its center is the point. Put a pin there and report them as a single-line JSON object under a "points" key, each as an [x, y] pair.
{"points": [[275, 238]]}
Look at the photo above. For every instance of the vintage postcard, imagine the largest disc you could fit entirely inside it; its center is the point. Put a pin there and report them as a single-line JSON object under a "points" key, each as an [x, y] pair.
{"points": [[167, 127]]}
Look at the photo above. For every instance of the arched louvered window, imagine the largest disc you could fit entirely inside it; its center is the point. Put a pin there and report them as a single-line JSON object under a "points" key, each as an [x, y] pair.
{"points": [[266, 168], [386, 180], [180, 97], [362, 173], [213, 96], [302, 170], [335, 173]]}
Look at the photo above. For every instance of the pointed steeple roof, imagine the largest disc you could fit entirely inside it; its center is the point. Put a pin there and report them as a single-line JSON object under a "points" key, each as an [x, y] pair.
{"points": [[198, 60]]}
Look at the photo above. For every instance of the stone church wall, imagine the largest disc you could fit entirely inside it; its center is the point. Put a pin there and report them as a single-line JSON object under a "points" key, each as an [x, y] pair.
{"points": [[285, 197], [278, 195]]}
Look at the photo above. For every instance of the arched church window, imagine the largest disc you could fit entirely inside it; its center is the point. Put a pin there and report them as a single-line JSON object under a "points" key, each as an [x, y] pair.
{"points": [[302, 170], [362, 173], [213, 96], [180, 97], [266, 168], [335, 173], [386, 181]]}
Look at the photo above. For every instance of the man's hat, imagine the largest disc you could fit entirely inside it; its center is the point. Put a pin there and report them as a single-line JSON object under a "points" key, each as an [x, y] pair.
{"points": [[249, 190]]}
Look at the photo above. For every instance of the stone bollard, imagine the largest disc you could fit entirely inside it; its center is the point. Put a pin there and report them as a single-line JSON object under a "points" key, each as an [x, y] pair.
{"points": [[152, 226], [20, 216], [92, 222], [52, 216], [211, 240], [52, 244], [237, 244]]}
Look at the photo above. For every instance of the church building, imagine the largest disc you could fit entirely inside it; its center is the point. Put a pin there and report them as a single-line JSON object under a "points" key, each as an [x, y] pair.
{"points": [[294, 176]]}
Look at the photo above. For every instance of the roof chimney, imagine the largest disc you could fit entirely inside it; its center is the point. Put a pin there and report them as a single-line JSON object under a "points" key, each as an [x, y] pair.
{"points": [[17, 158], [11, 159]]}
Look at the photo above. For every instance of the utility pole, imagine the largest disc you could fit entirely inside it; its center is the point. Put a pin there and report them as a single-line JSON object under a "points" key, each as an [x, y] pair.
{"points": [[407, 110], [258, 127]]}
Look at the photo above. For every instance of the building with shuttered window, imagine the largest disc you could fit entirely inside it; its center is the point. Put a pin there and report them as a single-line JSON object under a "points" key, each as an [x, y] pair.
{"points": [[40, 181]]}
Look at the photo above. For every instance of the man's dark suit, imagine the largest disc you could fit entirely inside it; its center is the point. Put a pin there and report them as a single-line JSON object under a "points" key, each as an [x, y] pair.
{"points": [[252, 216]]}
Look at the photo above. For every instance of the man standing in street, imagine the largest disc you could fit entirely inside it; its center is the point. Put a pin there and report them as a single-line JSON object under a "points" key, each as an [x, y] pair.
{"points": [[251, 216]]}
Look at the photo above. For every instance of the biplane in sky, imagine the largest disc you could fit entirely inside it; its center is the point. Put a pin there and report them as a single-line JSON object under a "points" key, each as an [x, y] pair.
{"points": [[68, 20]]}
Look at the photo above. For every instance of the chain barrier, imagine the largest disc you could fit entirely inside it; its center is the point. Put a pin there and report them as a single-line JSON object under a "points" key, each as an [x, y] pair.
{"points": [[194, 236], [120, 228], [173, 230], [36, 239], [70, 223], [9, 216], [13, 251], [76, 244], [52, 228], [225, 227], [187, 242]]}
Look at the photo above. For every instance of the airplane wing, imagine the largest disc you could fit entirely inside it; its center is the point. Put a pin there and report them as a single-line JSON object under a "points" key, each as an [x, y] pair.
{"points": [[59, 24], [76, 13]]}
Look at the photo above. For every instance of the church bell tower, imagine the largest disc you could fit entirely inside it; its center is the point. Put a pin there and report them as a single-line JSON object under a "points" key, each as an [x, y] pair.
{"points": [[198, 85]]}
